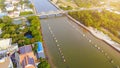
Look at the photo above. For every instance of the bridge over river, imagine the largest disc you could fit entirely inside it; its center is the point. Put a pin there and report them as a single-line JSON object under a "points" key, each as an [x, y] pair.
{"points": [[71, 46], [55, 13]]}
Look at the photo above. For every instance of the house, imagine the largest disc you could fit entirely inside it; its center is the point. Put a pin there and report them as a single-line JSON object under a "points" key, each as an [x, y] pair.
{"points": [[11, 14], [6, 50], [15, 59], [19, 8], [28, 9], [7, 2], [9, 7], [27, 57], [15, 1], [5, 43], [5, 61], [40, 50], [16, 13]]}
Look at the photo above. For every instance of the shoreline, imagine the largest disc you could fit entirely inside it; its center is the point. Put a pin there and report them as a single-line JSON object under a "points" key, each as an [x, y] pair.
{"points": [[46, 52], [92, 32], [47, 55]]}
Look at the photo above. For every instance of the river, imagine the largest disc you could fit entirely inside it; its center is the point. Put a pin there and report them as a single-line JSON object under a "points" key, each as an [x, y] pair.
{"points": [[65, 39]]}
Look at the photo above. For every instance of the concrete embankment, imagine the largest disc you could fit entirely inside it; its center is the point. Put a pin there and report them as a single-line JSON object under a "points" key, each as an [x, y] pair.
{"points": [[54, 5], [98, 34]]}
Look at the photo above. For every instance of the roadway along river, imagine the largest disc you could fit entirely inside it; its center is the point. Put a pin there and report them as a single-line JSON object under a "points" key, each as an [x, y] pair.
{"points": [[71, 46]]}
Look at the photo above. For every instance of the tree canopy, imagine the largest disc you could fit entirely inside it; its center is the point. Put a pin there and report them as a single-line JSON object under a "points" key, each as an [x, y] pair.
{"points": [[43, 64], [104, 19]]}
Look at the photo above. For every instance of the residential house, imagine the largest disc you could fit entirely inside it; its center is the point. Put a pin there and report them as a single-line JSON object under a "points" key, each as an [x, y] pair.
{"points": [[27, 57], [6, 50], [15, 1], [28, 9], [16, 13], [11, 14], [19, 8], [9, 7]]}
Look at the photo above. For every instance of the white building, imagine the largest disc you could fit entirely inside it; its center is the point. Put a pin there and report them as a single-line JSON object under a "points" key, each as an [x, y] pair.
{"points": [[16, 13], [5, 43], [28, 9], [15, 1], [11, 14], [19, 8], [6, 50], [9, 7]]}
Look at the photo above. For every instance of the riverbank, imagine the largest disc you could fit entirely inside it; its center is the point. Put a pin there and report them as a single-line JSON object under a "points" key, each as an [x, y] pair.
{"points": [[47, 54], [55, 5], [98, 34]]}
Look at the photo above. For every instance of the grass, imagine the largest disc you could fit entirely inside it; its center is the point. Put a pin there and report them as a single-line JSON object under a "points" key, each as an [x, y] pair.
{"points": [[25, 13]]}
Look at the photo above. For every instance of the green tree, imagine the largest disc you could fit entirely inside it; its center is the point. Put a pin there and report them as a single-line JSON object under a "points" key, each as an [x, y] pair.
{"points": [[7, 19], [35, 48], [31, 6], [43, 64], [6, 36]]}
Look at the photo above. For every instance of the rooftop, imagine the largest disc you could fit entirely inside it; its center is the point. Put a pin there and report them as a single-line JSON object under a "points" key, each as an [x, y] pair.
{"points": [[40, 50], [25, 49], [6, 63], [27, 57], [5, 43]]}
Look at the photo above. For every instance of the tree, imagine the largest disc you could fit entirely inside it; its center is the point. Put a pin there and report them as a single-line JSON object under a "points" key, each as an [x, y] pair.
{"points": [[105, 20], [2, 25], [1, 21], [35, 48], [26, 41], [6, 36], [7, 19], [43, 64], [31, 6]]}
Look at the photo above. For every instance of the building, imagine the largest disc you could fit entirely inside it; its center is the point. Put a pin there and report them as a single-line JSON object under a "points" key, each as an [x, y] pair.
{"points": [[15, 1], [16, 13], [40, 50], [9, 7], [5, 43], [19, 8], [27, 57], [28, 10], [15, 59], [5, 61], [6, 50]]}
